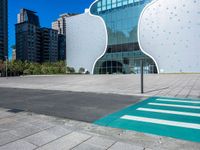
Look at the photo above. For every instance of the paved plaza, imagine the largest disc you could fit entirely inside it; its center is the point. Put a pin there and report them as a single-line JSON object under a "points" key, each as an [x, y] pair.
{"points": [[59, 112], [29, 131], [170, 85]]}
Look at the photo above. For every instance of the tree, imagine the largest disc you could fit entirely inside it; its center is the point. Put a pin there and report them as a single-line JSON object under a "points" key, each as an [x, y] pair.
{"points": [[70, 70], [2, 66], [81, 70], [17, 67]]}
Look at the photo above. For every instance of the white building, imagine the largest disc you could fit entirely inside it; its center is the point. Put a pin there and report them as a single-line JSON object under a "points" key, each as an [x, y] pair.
{"points": [[115, 37]]}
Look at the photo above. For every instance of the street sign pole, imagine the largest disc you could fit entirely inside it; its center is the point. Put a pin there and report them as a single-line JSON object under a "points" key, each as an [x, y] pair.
{"points": [[142, 75]]}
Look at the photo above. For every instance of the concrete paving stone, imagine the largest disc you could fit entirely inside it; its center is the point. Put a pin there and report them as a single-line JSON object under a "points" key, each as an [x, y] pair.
{"points": [[41, 138], [58, 131], [6, 137], [3, 109], [86, 146], [25, 119], [47, 135], [6, 114], [67, 142], [101, 142], [125, 146], [42, 124], [10, 124], [3, 130], [25, 131], [97, 143], [194, 93], [31, 118], [6, 120], [44, 118], [18, 145], [106, 130]]}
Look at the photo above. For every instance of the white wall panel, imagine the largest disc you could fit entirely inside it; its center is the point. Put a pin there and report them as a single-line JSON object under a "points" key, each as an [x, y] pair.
{"points": [[86, 41], [169, 31]]}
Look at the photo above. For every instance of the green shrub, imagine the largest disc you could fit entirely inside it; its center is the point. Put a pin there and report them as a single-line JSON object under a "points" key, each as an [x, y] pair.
{"points": [[28, 68], [71, 70], [81, 70]]}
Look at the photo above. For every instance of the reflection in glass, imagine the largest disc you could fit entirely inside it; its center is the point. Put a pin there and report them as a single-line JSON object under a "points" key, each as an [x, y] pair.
{"points": [[123, 53]]}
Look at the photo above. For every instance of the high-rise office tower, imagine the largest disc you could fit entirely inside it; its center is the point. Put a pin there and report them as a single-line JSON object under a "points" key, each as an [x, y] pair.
{"points": [[3, 29], [49, 45], [60, 26], [28, 36]]}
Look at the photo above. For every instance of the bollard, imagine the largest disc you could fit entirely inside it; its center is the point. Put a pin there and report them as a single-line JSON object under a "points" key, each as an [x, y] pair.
{"points": [[142, 76]]}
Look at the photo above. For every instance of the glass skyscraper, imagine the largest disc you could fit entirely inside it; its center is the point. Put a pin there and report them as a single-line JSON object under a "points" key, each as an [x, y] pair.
{"points": [[123, 53], [3, 29]]}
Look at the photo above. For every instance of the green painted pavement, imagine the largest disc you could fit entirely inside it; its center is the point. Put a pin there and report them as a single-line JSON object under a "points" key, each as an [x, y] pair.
{"points": [[180, 126]]}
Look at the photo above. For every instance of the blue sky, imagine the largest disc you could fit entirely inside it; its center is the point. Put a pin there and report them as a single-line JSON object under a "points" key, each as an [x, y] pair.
{"points": [[47, 10]]}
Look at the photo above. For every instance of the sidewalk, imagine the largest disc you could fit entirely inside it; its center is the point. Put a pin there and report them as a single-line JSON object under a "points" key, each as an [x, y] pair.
{"points": [[167, 85], [28, 131]]}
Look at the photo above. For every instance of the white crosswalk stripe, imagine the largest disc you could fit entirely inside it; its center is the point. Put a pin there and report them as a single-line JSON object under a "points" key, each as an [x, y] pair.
{"points": [[179, 116], [178, 101], [169, 112], [174, 105], [162, 122]]}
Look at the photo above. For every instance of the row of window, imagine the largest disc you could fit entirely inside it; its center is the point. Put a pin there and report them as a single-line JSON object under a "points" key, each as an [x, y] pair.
{"points": [[109, 4], [124, 66]]}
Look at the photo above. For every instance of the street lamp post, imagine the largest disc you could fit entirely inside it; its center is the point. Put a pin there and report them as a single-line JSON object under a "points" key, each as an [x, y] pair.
{"points": [[6, 66]]}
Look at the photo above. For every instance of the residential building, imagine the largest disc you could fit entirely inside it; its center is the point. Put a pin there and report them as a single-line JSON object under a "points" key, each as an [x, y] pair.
{"points": [[14, 53], [60, 23], [27, 42], [33, 43], [29, 16], [49, 45], [3, 29], [60, 26], [61, 47], [28, 36]]}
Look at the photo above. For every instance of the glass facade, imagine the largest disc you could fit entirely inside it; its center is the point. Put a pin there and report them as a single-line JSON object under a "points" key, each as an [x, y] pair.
{"points": [[123, 53]]}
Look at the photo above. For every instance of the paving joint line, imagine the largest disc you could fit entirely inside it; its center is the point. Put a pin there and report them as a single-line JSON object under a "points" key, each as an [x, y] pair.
{"points": [[81, 142], [197, 79], [53, 140], [112, 145], [186, 83], [25, 137]]}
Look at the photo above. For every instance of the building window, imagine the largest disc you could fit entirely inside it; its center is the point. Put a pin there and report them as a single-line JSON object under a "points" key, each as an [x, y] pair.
{"points": [[125, 2], [130, 1], [114, 3], [119, 3], [109, 3]]}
